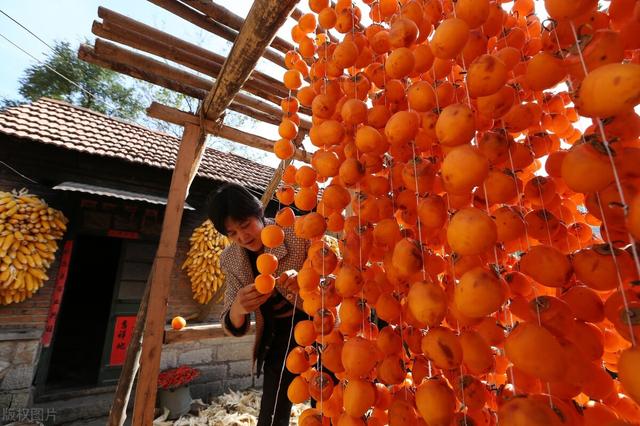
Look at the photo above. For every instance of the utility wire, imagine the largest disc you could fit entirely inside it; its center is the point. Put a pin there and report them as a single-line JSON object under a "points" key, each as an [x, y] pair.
{"points": [[27, 29], [54, 70]]}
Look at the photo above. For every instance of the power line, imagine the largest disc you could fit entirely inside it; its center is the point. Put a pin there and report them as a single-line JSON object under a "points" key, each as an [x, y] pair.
{"points": [[27, 29], [56, 72], [18, 173]]}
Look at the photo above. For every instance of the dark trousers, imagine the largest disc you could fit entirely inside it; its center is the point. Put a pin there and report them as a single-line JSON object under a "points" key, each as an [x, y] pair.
{"points": [[279, 408], [277, 347]]}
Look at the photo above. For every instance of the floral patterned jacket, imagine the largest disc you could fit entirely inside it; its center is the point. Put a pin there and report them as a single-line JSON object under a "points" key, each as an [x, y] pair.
{"points": [[238, 273]]}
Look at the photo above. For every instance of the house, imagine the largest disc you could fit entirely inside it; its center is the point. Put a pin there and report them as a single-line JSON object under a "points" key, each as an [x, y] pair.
{"points": [[110, 178]]}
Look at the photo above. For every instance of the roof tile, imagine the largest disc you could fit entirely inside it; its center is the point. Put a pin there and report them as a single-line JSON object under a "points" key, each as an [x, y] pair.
{"points": [[59, 123]]}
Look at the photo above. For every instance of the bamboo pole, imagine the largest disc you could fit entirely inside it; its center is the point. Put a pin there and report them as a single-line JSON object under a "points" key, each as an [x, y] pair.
{"points": [[201, 20], [176, 116]]}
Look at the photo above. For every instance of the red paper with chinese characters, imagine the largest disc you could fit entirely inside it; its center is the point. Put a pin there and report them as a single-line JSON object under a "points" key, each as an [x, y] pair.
{"points": [[121, 338]]}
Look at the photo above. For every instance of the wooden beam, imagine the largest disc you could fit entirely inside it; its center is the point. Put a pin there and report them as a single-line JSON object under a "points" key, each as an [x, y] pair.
{"points": [[226, 17], [88, 54], [263, 20], [198, 332], [176, 116], [242, 103], [189, 156], [203, 21], [141, 36], [275, 181]]}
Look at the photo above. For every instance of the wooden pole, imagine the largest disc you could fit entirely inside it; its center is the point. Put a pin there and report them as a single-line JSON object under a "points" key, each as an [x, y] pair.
{"points": [[176, 116], [224, 16], [189, 155], [243, 104], [141, 36], [208, 24], [246, 51], [263, 20], [118, 411]]}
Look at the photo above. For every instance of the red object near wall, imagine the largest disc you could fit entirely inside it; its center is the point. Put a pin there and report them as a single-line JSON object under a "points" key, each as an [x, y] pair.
{"points": [[122, 332], [58, 291]]}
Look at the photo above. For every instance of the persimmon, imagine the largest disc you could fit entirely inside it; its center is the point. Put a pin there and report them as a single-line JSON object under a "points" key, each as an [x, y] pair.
{"points": [[476, 353], [597, 268], [609, 90], [298, 390], [523, 409], [486, 75], [536, 351], [391, 370], [449, 38], [356, 357], [546, 265], [455, 125], [407, 257], [442, 346], [464, 168], [544, 71], [402, 127], [509, 224], [421, 96], [298, 360], [628, 372], [471, 231], [427, 302], [562, 10], [178, 323], [585, 303], [435, 401], [479, 293], [400, 63], [497, 104], [403, 32], [358, 397]]}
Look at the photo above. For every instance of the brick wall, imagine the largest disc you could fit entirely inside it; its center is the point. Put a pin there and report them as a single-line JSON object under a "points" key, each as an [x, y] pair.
{"points": [[224, 363]]}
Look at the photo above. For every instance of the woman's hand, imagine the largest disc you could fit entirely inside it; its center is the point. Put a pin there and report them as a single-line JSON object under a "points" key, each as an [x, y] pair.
{"points": [[288, 280], [249, 299]]}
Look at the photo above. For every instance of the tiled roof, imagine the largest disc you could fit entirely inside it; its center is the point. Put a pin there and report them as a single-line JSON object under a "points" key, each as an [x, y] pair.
{"points": [[67, 126]]}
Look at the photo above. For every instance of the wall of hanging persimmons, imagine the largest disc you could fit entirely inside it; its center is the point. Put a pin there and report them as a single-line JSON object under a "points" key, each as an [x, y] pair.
{"points": [[492, 235]]}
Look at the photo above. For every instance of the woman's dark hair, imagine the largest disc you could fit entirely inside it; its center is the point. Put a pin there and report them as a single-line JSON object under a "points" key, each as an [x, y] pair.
{"points": [[232, 201]]}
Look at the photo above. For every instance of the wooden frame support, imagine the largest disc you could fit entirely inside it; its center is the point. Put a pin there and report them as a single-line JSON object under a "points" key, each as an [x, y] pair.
{"points": [[176, 116], [258, 31], [189, 156]]}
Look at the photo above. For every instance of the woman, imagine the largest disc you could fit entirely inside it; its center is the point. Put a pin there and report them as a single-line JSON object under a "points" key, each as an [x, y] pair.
{"points": [[236, 213]]}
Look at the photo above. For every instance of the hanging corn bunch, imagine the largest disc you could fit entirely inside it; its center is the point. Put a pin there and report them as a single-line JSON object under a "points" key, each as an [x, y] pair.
{"points": [[203, 263], [28, 233]]}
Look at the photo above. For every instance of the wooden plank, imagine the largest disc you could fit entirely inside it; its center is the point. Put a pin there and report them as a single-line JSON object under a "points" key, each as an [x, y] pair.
{"points": [[136, 33], [111, 51], [224, 16], [189, 154], [198, 332], [208, 24], [88, 54], [176, 116], [243, 103], [259, 29]]}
